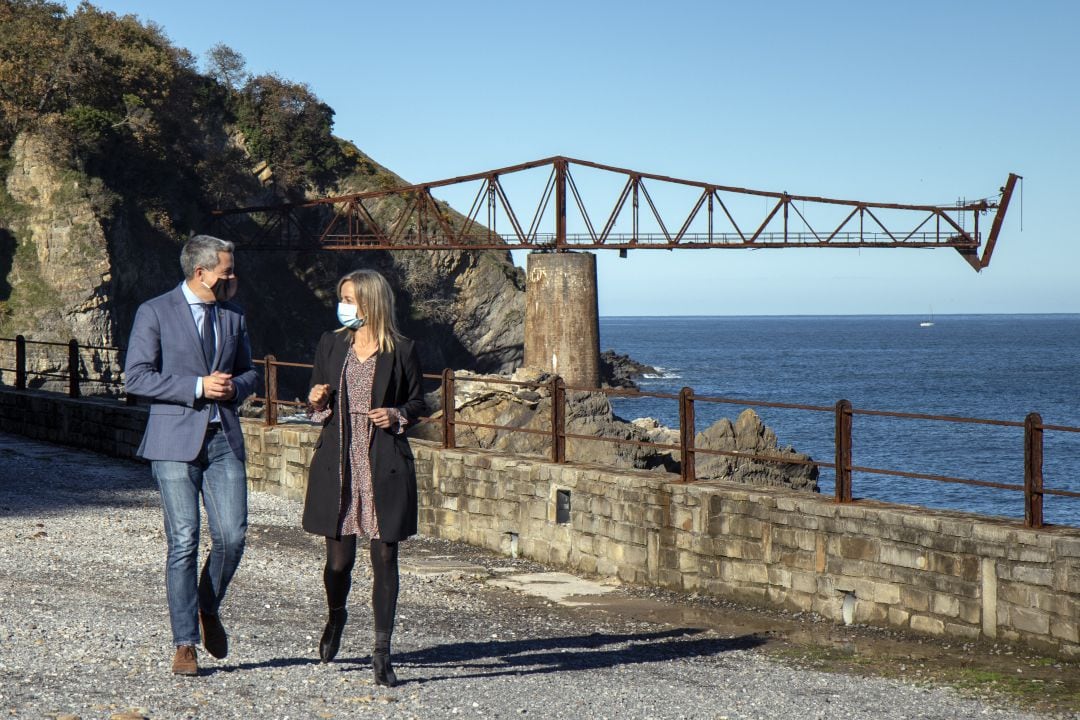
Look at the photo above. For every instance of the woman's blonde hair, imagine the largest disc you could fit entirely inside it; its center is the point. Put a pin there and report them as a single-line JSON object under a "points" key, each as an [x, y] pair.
{"points": [[375, 303]]}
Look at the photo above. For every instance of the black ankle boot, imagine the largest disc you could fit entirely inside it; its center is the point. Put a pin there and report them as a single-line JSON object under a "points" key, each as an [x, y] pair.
{"points": [[331, 637], [380, 661]]}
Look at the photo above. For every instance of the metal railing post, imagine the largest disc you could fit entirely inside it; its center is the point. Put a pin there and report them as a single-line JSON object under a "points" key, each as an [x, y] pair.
{"points": [[558, 419], [73, 368], [448, 409], [687, 431], [843, 451], [1033, 471], [271, 390], [20, 362]]}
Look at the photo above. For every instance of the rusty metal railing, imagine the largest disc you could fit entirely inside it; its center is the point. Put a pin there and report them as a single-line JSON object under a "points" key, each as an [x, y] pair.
{"points": [[1033, 488], [76, 372]]}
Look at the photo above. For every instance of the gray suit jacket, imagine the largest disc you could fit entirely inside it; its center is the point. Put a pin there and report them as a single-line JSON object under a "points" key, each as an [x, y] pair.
{"points": [[164, 362]]}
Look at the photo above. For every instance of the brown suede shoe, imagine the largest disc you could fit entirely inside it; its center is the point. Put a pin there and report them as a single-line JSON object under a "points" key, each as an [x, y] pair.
{"points": [[184, 661], [214, 637]]}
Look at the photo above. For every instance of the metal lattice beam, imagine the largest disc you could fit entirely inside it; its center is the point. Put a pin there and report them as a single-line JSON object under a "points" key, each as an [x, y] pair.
{"points": [[418, 221]]}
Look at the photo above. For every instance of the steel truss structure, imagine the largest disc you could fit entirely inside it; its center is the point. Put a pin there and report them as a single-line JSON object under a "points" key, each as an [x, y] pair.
{"points": [[634, 221]]}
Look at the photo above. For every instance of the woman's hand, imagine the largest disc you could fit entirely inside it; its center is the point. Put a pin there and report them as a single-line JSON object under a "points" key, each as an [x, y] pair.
{"points": [[384, 417], [319, 396]]}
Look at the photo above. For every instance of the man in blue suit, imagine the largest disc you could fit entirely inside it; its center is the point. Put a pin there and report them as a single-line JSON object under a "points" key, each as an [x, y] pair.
{"points": [[189, 354]]}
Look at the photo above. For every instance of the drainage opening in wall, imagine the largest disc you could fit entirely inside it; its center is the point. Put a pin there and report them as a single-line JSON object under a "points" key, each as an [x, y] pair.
{"points": [[562, 506]]}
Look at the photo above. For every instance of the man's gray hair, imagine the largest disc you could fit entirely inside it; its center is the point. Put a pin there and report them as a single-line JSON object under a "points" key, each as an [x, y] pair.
{"points": [[202, 251]]}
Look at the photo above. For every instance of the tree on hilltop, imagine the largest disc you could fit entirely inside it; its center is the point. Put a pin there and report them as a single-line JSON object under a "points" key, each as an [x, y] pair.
{"points": [[227, 66]]}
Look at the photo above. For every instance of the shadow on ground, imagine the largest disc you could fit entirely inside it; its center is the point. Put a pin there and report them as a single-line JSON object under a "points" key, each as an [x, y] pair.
{"points": [[561, 654]]}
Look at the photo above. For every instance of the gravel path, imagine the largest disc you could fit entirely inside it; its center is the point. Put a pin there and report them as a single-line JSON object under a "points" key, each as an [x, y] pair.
{"points": [[84, 629]]}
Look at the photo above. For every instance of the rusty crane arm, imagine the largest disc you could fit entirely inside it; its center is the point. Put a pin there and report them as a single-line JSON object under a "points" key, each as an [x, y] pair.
{"points": [[411, 218]]}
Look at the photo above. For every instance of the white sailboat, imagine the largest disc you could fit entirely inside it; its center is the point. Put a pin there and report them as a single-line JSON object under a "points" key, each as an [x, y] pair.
{"points": [[929, 321]]}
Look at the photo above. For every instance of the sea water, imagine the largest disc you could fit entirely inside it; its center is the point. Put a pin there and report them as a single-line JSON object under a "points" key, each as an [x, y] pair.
{"points": [[998, 367]]}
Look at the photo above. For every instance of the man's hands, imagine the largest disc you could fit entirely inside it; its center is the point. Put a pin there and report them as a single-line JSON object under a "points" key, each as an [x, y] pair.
{"points": [[319, 396], [218, 386]]}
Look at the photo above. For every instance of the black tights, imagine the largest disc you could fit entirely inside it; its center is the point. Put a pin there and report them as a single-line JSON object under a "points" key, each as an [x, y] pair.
{"points": [[337, 576]]}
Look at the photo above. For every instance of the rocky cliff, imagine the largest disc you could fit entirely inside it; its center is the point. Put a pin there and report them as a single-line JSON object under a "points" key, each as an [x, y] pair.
{"points": [[78, 270], [114, 149]]}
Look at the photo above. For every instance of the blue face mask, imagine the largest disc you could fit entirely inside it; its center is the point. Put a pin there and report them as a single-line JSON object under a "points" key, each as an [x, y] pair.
{"points": [[346, 315]]}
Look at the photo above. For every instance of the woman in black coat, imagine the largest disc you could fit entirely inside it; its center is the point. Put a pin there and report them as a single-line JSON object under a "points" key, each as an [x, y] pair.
{"points": [[365, 388]]}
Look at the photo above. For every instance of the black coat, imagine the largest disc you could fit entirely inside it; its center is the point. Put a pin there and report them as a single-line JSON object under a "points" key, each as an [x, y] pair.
{"points": [[396, 384]]}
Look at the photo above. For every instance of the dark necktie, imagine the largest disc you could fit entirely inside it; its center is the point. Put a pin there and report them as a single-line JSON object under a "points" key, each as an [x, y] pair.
{"points": [[208, 334]]}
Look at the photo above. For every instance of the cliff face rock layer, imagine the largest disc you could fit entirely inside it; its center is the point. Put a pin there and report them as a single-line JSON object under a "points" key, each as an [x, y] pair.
{"points": [[80, 259]]}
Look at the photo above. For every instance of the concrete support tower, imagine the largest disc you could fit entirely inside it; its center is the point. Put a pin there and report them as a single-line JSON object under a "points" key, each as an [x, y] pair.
{"points": [[562, 326]]}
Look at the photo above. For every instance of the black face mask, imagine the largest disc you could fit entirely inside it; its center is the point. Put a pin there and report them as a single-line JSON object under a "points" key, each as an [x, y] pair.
{"points": [[224, 289]]}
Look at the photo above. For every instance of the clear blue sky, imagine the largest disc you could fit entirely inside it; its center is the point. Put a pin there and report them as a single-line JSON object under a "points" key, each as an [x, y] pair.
{"points": [[917, 102]]}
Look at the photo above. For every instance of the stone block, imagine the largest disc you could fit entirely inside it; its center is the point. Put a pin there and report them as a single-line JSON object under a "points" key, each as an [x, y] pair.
{"points": [[779, 577], [857, 548], [689, 562], [1028, 554], [885, 593], [969, 611], [786, 504], [655, 516], [1028, 620], [740, 549], [682, 519], [997, 534], [967, 632], [637, 556], [1066, 630], [672, 579], [559, 554], [804, 582], [928, 625], [795, 560], [1047, 601], [963, 567], [914, 599], [902, 534], [1067, 547], [745, 527], [898, 617], [1015, 593], [800, 602], [1031, 575], [586, 564], [871, 613], [902, 556], [924, 522], [946, 605], [744, 572], [1070, 578]]}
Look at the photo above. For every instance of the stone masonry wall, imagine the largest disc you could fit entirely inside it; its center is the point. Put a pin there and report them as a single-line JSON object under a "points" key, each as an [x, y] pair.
{"points": [[932, 572], [97, 424]]}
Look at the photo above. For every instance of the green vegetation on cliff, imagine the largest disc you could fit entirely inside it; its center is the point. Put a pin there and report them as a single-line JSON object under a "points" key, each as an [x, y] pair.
{"points": [[115, 147]]}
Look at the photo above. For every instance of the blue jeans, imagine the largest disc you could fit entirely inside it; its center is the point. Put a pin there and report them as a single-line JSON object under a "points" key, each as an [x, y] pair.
{"points": [[219, 475]]}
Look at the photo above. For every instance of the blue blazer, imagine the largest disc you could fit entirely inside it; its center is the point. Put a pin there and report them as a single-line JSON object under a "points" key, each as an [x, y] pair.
{"points": [[164, 362]]}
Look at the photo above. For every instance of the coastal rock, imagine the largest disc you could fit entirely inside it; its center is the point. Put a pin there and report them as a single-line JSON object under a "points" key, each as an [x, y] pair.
{"points": [[749, 435], [619, 371], [528, 406], [526, 403]]}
